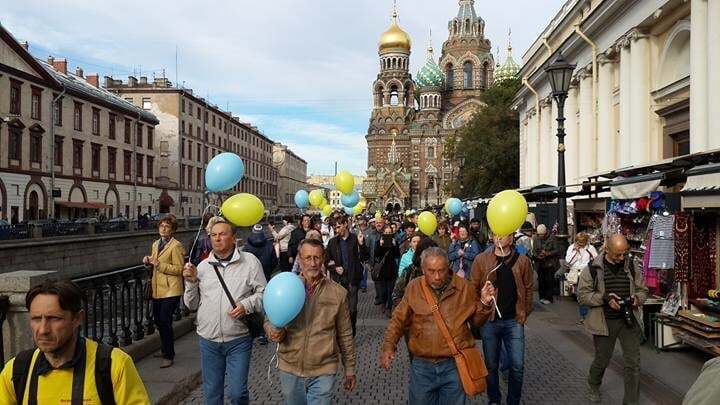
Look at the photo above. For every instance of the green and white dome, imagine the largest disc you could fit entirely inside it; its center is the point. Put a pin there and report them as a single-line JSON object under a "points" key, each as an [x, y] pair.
{"points": [[509, 69], [430, 75]]}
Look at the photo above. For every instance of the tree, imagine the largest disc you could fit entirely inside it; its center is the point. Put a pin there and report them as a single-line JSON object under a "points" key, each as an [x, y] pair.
{"points": [[487, 146]]}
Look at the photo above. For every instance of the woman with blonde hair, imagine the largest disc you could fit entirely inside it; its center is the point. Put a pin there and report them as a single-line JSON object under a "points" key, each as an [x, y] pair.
{"points": [[578, 256]]}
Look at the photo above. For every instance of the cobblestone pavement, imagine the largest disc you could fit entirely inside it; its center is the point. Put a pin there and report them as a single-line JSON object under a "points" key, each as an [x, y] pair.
{"points": [[549, 377]]}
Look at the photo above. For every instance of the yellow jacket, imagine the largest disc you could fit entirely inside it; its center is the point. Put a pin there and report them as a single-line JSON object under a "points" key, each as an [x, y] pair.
{"points": [[167, 280], [55, 386]]}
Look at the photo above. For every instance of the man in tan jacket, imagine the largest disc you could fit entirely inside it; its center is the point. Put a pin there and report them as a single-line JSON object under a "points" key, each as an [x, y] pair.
{"points": [[434, 377], [318, 339]]}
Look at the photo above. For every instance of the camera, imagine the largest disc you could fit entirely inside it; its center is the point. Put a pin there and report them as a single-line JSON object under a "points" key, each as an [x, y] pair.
{"points": [[626, 310]]}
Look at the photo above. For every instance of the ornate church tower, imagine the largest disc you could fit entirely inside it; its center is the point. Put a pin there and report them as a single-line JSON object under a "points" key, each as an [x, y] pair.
{"points": [[467, 62], [393, 110]]}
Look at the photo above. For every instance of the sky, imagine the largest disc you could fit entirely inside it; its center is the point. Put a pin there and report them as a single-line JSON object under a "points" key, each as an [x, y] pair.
{"points": [[300, 70]]}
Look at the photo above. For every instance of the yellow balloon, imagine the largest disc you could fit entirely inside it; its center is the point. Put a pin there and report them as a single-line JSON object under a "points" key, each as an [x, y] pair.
{"points": [[427, 223], [243, 209], [378, 215], [344, 182], [327, 210], [316, 198], [362, 202], [506, 212], [357, 210], [323, 203]]}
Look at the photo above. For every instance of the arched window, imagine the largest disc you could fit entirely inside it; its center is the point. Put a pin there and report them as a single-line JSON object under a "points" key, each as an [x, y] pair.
{"points": [[485, 79], [33, 206], [449, 76], [467, 25], [468, 75], [380, 97], [393, 96]]}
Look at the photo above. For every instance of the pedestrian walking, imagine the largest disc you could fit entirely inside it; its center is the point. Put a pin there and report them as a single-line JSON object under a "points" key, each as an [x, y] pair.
{"points": [[385, 267], [203, 246], [345, 253], [311, 234], [372, 237], [283, 240], [413, 271], [166, 285], [462, 252], [224, 325], [615, 291], [434, 377], [442, 237], [297, 235], [362, 227], [260, 246], [578, 256], [407, 257], [524, 241], [56, 371], [546, 254], [511, 275], [312, 346]]}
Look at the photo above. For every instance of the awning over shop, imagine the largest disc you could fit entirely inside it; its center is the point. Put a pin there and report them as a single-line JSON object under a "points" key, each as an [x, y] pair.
{"points": [[702, 188], [627, 188], [89, 205]]}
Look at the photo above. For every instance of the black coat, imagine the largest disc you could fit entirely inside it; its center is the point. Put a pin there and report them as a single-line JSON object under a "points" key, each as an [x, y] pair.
{"points": [[357, 254], [390, 266], [262, 248], [296, 236]]}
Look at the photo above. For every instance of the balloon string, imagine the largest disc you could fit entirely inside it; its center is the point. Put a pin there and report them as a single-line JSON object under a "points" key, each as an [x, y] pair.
{"points": [[197, 234], [502, 251], [277, 362]]}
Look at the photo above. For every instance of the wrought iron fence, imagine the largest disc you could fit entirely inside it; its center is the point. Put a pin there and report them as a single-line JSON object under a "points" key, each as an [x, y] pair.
{"points": [[62, 229], [14, 232], [112, 226]]}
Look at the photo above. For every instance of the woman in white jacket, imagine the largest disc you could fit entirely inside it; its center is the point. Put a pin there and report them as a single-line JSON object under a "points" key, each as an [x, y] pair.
{"points": [[578, 256]]}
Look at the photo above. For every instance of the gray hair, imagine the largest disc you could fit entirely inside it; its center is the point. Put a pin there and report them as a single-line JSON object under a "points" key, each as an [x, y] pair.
{"points": [[219, 220], [434, 251]]}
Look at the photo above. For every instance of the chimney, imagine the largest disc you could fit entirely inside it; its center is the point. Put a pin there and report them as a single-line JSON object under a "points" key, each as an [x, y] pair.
{"points": [[109, 82], [143, 79], [59, 65], [78, 71], [132, 81], [25, 45], [93, 79]]}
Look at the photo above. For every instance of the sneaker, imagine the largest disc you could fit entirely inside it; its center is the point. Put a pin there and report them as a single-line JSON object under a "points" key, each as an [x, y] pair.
{"points": [[593, 394], [544, 301]]}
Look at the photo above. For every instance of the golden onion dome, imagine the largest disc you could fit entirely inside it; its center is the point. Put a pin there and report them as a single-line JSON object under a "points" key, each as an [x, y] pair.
{"points": [[394, 38]]}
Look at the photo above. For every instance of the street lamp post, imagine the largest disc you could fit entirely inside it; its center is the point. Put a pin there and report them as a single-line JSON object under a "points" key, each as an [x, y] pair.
{"points": [[560, 73]]}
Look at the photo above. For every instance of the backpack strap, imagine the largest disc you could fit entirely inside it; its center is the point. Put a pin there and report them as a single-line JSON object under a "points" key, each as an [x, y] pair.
{"points": [[21, 367], [103, 375]]}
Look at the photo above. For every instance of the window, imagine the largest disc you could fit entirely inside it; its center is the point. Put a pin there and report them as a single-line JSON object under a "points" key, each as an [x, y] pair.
{"points": [[77, 154], [206, 117], [190, 131], [150, 171], [35, 104], [182, 150], [139, 165], [57, 111], [183, 106], [198, 171], [205, 154], [58, 150], [189, 149], [431, 152], [468, 75], [393, 99], [112, 157], [129, 99], [111, 126], [198, 152], [127, 130], [77, 116], [189, 176], [95, 121], [15, 147], [95, 156], [146, 103], [35, 147], [150, 138], [198, 113], [127, 163], [213, 121], [197, 132], [449, 76], [190, 108], [138, 134], [15, 91]]}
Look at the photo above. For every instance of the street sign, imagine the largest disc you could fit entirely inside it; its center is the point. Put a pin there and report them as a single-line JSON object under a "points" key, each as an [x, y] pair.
{"points": [[56, 193]]}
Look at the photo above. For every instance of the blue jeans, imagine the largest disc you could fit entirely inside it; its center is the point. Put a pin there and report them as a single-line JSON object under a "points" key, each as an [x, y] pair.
{"points": [[217, 358], [512, 335], [298, 390], [435, 383], [363, 281]]}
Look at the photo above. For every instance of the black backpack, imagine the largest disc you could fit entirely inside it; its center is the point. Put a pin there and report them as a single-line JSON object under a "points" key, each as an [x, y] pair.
{"points": [[103, 378]]}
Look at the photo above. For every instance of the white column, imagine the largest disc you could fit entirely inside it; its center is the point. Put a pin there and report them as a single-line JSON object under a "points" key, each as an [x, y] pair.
{"points": [[699, 75], [624, 135], [640, 99], [546, 144], [532, 155], [713, 71], [606, 131], [571, 136], [553, 157], [585, 138], [523, 152]]}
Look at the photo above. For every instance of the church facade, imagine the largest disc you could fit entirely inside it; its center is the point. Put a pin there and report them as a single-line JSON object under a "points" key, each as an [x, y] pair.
{"points": [[412, 117]]}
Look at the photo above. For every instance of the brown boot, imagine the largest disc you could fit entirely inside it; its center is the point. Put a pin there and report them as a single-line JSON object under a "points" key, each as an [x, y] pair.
{"points": [[166, 363]]}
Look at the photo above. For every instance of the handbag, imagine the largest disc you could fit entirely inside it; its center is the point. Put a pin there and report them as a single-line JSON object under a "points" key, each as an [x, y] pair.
{"points": [[469, 362], [253, 321], [377, 267]]}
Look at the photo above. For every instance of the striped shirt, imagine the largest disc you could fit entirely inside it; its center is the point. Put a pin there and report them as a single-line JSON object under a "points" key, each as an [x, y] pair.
{"points": [[617, 282]]}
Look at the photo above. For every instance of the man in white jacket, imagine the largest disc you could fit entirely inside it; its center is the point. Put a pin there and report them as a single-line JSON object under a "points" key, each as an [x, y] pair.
{"points": [[225, 341]]}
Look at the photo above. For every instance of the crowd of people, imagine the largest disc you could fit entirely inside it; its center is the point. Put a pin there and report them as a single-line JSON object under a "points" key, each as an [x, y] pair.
{"points": [[441, 293]]}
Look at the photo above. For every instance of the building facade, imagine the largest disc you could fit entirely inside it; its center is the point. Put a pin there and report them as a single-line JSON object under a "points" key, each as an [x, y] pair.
{"points": [[191, 132], [292, 175], [646, 87], [411, 119], [69, 148]]}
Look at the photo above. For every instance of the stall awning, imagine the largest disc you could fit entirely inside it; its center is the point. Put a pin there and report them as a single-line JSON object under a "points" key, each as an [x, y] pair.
{"points": [[627, 188], [90, 205], [702, 188]]}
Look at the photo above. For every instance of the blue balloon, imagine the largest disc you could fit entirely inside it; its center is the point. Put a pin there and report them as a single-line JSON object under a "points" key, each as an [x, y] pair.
{"points": [[350, 200], [348, 211], [454, 206], [284, 298], [302, 199], [223, 172]]}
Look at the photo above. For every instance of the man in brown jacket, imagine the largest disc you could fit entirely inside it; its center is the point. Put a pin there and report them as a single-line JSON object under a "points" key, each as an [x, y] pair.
{"points": [[313, 344], [511, 275], [433, 372]]}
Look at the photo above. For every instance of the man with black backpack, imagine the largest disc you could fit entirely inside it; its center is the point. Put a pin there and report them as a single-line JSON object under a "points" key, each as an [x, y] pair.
{"points": [[63, 363]]}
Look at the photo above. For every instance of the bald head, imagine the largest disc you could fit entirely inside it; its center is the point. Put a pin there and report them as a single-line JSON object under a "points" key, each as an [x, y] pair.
{"points": [[617, 247]]}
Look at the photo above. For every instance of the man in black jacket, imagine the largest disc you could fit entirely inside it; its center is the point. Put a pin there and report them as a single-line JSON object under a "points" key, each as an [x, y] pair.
{"points": [[345, 253], [297, 235], [261, 247]]}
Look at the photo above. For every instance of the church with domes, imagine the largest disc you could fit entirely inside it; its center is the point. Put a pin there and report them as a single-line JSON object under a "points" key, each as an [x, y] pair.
{"points": [[412, 117]]}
